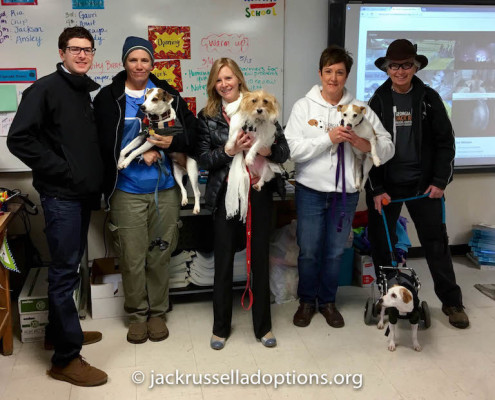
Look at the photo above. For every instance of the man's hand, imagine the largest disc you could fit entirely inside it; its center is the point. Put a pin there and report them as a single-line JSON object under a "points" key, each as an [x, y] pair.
{"points": [[380, 200]]}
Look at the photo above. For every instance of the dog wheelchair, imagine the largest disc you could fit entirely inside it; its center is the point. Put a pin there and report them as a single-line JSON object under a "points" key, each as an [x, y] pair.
{"points": [[394, 274]]}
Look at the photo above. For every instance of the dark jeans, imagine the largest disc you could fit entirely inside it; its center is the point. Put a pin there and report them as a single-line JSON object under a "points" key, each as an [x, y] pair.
{"points": [[66, 230], [228, 233], [426, 214], [321, 244]]}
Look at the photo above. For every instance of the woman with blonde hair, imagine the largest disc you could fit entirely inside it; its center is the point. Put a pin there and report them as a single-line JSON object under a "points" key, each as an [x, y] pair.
{"points": [[226, 85]]}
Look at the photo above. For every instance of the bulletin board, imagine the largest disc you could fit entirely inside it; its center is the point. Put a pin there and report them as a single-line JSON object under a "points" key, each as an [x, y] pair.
{"points": [[187, 35]]}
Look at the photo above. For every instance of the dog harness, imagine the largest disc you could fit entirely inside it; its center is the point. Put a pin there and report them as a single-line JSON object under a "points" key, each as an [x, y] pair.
{"points": [[392, 312]]}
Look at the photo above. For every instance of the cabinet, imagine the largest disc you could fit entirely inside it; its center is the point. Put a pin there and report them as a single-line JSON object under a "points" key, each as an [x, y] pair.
{"points": [[6, 338]]}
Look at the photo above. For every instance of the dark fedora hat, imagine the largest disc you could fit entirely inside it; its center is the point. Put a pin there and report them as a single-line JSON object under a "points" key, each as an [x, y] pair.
{"points": [[401, 49]]}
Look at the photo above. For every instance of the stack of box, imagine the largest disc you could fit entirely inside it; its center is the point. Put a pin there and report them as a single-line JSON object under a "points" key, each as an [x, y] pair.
{"points": [[33, 305], [482, 244]]}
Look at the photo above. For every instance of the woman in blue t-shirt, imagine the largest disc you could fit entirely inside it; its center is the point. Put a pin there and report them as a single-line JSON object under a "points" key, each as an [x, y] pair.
{"points": [[143, 199]]}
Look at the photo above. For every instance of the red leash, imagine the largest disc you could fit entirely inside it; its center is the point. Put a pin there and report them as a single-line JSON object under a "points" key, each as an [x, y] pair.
{"points": [[248, 238], [248, 250]]}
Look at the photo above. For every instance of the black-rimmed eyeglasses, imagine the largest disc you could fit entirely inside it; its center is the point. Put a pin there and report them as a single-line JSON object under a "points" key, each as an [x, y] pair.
{"points": [[74, 50], [404, 66]]}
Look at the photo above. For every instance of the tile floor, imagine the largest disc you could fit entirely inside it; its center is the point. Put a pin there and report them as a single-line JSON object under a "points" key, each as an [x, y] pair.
{"points": [[454, 364]]}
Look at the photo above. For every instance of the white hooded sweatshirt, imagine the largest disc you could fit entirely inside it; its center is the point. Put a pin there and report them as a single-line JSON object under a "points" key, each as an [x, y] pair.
{"points": [[310, 145]]}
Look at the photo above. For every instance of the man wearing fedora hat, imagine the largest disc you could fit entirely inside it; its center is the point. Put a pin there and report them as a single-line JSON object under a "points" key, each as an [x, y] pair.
{"points": [[422, 165]]}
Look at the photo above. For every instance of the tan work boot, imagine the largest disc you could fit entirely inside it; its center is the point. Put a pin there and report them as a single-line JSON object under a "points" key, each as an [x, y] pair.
{"points": [[137, 333], [457, 316], [90, 337], [79, 372], [157, 329]]}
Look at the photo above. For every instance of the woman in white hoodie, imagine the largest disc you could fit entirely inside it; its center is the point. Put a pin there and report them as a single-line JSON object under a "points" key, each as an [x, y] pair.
{"points": [[326, 197]]}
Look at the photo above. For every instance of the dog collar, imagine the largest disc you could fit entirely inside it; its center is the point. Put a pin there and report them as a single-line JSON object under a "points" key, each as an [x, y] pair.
{"points": [[359, 123]]}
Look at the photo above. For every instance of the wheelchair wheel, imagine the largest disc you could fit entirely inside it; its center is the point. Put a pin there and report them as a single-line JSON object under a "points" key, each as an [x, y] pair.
{"points": [[425, 315], [369, 311]]}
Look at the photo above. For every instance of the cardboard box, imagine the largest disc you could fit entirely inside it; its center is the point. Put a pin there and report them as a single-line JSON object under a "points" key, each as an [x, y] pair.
{"points": [[34, 293], [364, 270], [107, 291], [33, 304], [33, 326]]}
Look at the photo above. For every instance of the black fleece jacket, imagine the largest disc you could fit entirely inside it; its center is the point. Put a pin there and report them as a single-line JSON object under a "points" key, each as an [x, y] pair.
{"points": [[110, 115], [54, 133], [433, 134], [213, 134]]}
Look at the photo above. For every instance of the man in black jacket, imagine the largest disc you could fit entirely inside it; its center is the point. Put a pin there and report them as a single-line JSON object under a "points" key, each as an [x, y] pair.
{"points": [[421, 168], [54, 133]]}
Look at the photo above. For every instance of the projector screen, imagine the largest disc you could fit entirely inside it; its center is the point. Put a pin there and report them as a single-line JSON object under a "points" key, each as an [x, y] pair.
{"points": [[459, 42]]}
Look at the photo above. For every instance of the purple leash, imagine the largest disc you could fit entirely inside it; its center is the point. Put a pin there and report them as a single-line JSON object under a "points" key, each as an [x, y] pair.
{"points": [[340, 161]]}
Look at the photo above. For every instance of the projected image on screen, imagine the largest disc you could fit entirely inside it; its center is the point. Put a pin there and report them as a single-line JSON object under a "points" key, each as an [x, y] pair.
{"points": [[459, 42]]}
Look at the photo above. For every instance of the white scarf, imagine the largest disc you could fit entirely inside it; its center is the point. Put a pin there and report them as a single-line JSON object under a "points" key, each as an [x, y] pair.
{"points": [[236, 198]]}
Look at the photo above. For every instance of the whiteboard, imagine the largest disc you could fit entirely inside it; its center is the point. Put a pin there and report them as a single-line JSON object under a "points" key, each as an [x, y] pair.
{"points": [[249, 31]]}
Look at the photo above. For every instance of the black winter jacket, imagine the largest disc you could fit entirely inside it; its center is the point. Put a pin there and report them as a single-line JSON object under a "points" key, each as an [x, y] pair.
{"points": [[213, 134], [433, 134], [110, 115], [54, 133]]}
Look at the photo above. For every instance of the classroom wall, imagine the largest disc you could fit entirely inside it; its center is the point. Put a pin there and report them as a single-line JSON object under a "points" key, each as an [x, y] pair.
{"points": [[469, 196]]}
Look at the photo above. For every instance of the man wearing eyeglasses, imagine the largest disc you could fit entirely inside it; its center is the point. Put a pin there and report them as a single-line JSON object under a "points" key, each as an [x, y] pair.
{"points": [[422, 167], [54, 133]]}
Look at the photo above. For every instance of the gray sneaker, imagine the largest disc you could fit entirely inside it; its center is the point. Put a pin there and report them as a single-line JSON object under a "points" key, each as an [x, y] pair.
{"points": [[457, 316]]}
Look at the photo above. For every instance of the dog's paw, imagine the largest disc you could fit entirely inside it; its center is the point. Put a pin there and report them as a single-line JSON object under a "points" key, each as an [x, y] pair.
{"points": [[196, 209], [250, 159], [380, 325], [184, 201], [391, 346], [123, 164], [417, 346], [257, 187], [229, 146], [376, 161]]}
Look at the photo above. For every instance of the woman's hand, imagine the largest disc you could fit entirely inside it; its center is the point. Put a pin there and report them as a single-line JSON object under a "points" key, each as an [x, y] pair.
{"points": [[163, 142], [359, 143], [339, 134], [151, 156], [242, 143], [434, 192]]}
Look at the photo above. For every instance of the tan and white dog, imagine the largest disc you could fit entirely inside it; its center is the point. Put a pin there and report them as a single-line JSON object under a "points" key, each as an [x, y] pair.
{"points": [[158, 108], [256, 114], [400, 302], [353, 117]]}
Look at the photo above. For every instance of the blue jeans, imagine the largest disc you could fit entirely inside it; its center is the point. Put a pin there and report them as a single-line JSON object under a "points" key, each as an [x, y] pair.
{"points": [[321, 244], [66, 230]]}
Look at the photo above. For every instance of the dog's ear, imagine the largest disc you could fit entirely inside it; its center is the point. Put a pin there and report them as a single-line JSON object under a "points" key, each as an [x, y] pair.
{"points": [[167, 97], [363, 110], [339, 108], [406, 296]]}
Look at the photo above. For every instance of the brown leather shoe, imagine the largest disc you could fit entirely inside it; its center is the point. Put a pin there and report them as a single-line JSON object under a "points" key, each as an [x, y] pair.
{"points": [[303, 315], [90, 337], [79, 372], [157, 329], [457, 316], [137, 333], [332, 315]]}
